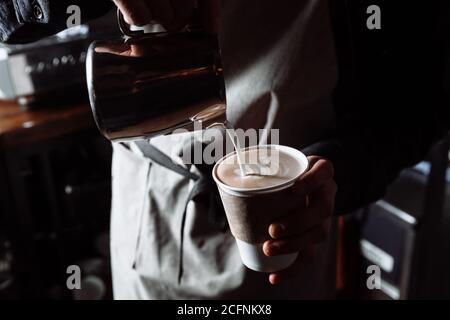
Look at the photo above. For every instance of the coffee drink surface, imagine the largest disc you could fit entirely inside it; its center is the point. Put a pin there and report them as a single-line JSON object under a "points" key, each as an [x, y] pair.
{"points": [[270, 169]]}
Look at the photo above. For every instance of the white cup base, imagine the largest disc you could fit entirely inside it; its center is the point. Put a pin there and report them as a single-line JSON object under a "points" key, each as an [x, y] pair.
{"points": [[253, 257]]}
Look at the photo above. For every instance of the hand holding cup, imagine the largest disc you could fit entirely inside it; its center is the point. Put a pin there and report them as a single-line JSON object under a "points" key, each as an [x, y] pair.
{"points": [[307, 224]]}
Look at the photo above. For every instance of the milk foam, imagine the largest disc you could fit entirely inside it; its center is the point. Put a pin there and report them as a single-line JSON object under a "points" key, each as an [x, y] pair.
{"points": [[268, 168]]}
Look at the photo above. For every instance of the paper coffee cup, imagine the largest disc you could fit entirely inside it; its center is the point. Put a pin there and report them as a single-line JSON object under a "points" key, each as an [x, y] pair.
{"points": [[250, 211]]}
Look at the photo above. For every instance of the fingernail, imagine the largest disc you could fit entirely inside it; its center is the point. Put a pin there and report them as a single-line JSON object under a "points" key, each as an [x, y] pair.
{"points": [[274, 279], [278, 229], [267, 249], [270, 248]]}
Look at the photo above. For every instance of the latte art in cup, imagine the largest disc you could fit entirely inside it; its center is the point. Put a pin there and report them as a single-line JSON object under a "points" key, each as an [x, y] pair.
{"points": [[265, 168]]}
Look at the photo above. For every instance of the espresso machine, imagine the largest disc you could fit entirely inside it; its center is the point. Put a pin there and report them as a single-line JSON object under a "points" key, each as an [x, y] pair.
{"points": [[51, 69]]}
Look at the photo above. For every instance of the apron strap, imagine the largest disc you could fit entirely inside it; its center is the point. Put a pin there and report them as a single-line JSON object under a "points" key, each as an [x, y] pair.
{"points": [[163, 160]]}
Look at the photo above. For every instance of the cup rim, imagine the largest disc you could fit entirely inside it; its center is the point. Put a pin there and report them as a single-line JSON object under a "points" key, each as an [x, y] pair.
{"points": [[250, 191]]}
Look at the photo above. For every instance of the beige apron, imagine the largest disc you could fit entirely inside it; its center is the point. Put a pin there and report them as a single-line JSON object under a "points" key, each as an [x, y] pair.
{"points": [[280, 73]]}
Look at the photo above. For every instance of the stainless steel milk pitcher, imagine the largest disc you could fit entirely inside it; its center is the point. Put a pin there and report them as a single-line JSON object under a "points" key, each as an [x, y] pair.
{"points": [[144, 85]]}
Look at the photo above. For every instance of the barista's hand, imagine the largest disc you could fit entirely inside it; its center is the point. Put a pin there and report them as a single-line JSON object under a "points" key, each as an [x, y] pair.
{"points": [[172, 14], [305, 227]]}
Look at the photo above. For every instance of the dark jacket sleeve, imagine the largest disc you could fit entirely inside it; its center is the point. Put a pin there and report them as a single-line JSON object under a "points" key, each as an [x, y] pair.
{"points": [[24, 21], [396, 106]]}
